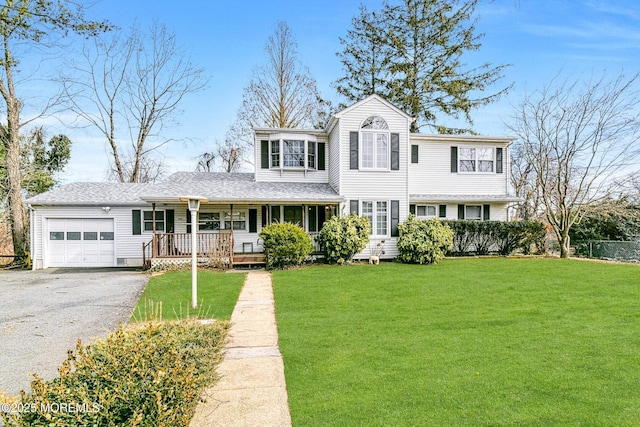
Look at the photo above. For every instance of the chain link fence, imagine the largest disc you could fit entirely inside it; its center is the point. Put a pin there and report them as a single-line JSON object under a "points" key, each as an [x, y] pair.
{"points": [[610, 249]]}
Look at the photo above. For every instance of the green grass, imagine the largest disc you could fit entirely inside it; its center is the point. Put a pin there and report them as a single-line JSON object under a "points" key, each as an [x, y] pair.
{"points": [[477, 342], [217, 295]]}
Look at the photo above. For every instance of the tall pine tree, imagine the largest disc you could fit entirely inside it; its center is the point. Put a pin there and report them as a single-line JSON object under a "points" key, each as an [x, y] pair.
{"points": [[419, 47], [365, 58]]}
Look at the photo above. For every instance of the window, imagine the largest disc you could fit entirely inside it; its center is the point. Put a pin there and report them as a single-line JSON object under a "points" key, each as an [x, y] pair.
{"points": [[473, 212], [148, 220], [378, 215], [56, 235], [209, 221], [293, 215], [426, 211], [293, 154], [476, 159], [90, 235], [301, 154], [106, 235], [275, 154], [311, 155], [375, 143], [73, 235], [239, 220]]}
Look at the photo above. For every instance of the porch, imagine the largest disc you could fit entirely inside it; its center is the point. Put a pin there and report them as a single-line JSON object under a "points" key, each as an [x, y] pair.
{"points": [[214, 249]]}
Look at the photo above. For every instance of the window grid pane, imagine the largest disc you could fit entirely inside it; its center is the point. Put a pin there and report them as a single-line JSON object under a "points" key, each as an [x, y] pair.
{"points": [[311, 155], [239, 221], [485, 159], [467, 159], [293, 153], [382, 151], [275, 154], [381, 218], [367, 212], [367, 150]]}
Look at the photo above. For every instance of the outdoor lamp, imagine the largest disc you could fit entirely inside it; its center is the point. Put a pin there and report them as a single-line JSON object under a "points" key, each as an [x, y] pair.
{"points": [[194, 206]]}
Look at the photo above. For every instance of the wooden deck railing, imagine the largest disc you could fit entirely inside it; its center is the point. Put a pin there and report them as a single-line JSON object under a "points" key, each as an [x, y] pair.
{"points": [[178, 245]]}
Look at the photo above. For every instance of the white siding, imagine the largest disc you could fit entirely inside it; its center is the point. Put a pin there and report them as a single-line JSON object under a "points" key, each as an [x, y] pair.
{"points": [[432, 174]]}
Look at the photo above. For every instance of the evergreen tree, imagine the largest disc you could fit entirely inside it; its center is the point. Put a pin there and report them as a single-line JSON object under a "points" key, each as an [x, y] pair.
{"points": [[418, 46], [365, 58]]}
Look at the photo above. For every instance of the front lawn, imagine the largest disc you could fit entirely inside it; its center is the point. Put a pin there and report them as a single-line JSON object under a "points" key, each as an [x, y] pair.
{"points": [[467, 342], [217, 295]]}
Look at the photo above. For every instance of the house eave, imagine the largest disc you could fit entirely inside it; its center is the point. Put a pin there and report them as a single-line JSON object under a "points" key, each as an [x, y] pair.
{"points": [[463, 198]]}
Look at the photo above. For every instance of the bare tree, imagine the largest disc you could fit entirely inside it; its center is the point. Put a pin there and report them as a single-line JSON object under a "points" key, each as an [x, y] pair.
{"points": [[227, 158], [130, 88], [524, 184], [577, 137], [27, 26], [280, 94]]}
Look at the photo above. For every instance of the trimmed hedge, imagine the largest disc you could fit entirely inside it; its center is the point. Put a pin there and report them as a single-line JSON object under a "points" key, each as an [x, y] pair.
{"points": [[423, 241], [501, 237], [148, 376], [343, 237], [285, 245]]}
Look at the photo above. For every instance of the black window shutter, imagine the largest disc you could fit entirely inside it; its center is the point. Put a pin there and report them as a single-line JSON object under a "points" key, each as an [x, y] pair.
{"points": [[264, 215], [169, 217], [264, 154], [412, 209], [321, 148], [353, 206], [353, 150], [454, 159], [442, 211], [395, 217], [188, 221], [395, 151], [498, 160], [486, 212], [414, 154], [322, 217], [460, 211], [136, 221], [253, 220]]}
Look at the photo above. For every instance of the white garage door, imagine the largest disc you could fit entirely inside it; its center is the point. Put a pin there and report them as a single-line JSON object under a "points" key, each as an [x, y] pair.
{"points": [[80, 242]]}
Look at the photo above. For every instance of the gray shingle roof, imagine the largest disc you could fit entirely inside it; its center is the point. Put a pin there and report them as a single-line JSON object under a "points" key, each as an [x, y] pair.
{"points": [[92, 193], [222, 187], [237, 187]]}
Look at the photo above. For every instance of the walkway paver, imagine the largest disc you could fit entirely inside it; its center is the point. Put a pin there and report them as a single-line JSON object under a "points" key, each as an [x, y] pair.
{"points": [[251, 390]]}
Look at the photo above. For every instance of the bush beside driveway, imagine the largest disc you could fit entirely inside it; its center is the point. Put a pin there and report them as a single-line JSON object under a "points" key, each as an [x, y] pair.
{"points": [[44, 312]]}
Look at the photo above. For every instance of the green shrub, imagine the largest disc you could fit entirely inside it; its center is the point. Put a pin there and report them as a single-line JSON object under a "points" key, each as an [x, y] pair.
{"points": [[423, 241], [501, 237], [343, 237], [285, 245], [149, 376]]}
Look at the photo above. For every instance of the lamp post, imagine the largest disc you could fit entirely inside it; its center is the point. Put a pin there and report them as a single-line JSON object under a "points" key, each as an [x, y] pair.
{"points": [[194, 207]]}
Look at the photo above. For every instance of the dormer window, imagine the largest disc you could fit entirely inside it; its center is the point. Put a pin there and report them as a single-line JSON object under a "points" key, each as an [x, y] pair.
{"points": [[374, 144]]}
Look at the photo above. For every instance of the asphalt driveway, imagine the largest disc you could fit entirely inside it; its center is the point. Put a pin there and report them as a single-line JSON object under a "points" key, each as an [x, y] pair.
{"points": [[44, 312]]}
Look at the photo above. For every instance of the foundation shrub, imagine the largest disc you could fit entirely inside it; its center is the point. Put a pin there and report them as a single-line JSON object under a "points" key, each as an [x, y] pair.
{"points": [[285, 245], [423, 241], [343, 237]]}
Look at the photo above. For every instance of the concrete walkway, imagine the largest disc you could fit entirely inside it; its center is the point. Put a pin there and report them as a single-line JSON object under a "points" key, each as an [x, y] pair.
{"points": [[251, 390]]}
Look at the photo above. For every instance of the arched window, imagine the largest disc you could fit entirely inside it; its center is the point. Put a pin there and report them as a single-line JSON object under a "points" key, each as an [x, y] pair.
{"points": [[375, 143]]}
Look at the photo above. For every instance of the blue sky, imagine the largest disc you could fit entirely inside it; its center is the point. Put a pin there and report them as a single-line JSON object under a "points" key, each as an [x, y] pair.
{"points": [[540, 38]]}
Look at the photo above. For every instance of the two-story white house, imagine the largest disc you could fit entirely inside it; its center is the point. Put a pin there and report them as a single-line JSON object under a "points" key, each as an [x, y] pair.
{"points": [[365, 161]]}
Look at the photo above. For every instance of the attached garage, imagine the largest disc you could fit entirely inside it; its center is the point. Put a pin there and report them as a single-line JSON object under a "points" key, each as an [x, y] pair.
{"points": [[80, 242]]}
